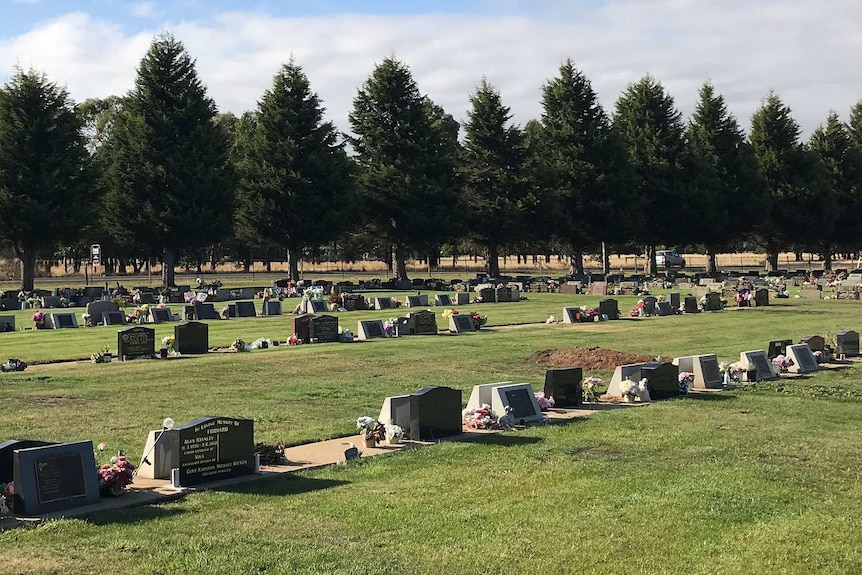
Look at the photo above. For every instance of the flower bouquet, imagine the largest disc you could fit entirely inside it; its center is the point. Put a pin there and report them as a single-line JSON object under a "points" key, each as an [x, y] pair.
{"points": [[545, 403], [447, 313], [372, 431], [393, 433], [14, 364], [39, 319], [480, 418], [168, 342], [819, 356], [629, 390], [782, 363], [590, 387], [7, 498], [478, 319], [686, 380], [115, 476]]}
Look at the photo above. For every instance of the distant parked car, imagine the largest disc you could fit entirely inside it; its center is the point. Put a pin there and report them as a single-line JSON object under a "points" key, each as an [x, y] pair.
{"points": [[668, 259]]}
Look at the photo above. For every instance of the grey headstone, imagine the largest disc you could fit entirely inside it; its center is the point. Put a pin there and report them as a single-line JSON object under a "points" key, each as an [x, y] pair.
{"points": [[55, 478], [847, 340]]}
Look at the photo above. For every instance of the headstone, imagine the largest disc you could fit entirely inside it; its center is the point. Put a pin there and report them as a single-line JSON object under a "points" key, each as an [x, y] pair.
{"points": [[64, 320], [630, 371], [136, 342], [272, 308], [50, 302], [396, 410], [54, 478], [435, 412], [222, 295], [247, 293], [599, 288], [847, 340], [803, 359], [7, 323], [487, 295], [323, 328], [443, 299], [422, 322], [370, 329], [564, 385], [462, 298], [314, 306], [97, 310], [299, 326], [503, 294], [662, 379], [417, 301], [212, 448], [206, 310], [7, 451], [778, 347], [705, 371], [461, 323], [757, 361], [691, 305], [665, 309], [161, 315], [157, 460], [815, 342], [609, 307], [113, 318], [761, 297], [191, 338], [482, 394], [673, 298], [189, 312], [245, 309], [569, 314], [713, 301], [147, 297], [9, 304], [520, 400], [384, 303], [231, 310], [650, 305]]}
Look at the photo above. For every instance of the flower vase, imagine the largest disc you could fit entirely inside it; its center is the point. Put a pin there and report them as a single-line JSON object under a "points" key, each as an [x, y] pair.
{"points": [[111, 490], [369, 442]]}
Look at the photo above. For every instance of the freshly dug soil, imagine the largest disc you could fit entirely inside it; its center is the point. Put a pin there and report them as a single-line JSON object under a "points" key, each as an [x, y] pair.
{"points": [[589, 358]]}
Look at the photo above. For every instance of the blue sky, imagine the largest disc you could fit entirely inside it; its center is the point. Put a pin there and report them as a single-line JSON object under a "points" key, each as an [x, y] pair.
{"points": [[805, 50]]}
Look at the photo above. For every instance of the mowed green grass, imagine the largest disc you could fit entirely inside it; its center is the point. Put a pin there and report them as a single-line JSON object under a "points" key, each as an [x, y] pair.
{"points": [[759, 480]]}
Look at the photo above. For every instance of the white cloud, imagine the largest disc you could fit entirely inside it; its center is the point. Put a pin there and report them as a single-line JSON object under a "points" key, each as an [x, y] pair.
{"points": [[803, 50], [143, 10]]}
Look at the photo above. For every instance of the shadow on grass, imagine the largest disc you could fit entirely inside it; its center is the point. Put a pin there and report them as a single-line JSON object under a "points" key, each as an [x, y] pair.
{"points": [[708, 396], [501, 439], [135, 515], [284, 484]]}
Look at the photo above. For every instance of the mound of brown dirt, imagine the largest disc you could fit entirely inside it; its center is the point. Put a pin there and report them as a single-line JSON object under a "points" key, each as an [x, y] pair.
{"points": [[589, 358]]}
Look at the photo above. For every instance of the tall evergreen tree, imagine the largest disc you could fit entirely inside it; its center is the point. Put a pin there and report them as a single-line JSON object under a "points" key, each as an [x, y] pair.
{"points": [[784, 168], [840, 159], [653, 132], [170, 184], [586, 164], [45, 175], [406, 148], [492, 173], [724, 175], [293, 167]]}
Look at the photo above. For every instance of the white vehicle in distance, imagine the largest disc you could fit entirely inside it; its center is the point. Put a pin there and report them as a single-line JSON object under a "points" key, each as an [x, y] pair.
{"points": [[669, 259]]}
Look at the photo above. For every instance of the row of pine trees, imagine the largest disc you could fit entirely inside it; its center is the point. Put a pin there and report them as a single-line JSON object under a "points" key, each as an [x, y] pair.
{"points": [[160, 174]]}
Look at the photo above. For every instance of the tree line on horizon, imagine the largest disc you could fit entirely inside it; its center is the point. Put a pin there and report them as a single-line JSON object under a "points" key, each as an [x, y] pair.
{"points": [[158, 174]]}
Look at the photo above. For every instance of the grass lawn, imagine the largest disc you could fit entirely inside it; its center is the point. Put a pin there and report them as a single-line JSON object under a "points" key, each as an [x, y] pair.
{"points": [[764, 479]]}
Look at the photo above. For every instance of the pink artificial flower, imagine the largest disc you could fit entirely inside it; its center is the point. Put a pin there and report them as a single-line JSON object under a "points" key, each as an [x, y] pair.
{"points": [[102, 446]]}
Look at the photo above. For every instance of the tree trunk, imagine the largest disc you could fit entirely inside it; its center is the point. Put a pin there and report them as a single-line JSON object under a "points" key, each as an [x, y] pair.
{"points": [[268, 265], [168, 268], [827, 258], [293, 261], [653, 266], [578, 263], [493, 261], [606, 264], [400, 263], [711, 262], [771, 257], [28, 269]]}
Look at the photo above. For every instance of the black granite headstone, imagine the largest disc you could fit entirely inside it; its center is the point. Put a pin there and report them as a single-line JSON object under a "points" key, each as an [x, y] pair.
{"points": [[206, 310], [324, 328], [7, 323], [212, 448], [778, 347], [63, 320], [113, 318], [54, 477], [564, 385], [191, 337], [318, 306], [673, 298], [245, 309], [815, 342], [462, 323], [443, 299], [371, 328], [435, 412], [609, 307], [761, 297], [423, 322], [384, 303], [691, 305], [7, 449], [761, 364], [299, 326], [522, 401], [160, 315], [135, 342], [665, 309], [650, 303], [272, 308], [848, 341]]}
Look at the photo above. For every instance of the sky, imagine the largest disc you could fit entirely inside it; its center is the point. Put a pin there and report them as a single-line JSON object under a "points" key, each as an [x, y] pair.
{"points": [[804, 50]]}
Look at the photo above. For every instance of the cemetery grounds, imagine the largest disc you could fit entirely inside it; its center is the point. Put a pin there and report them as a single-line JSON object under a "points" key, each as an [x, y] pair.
{"points": [[762, 479]]}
